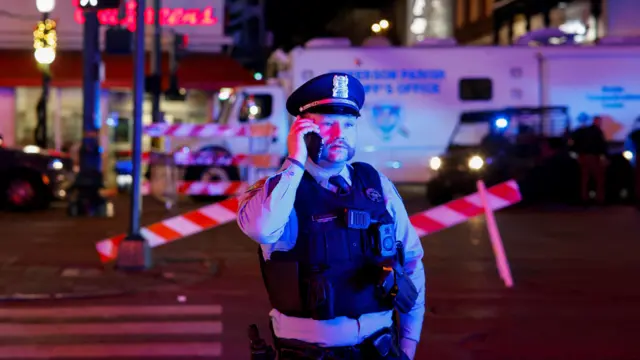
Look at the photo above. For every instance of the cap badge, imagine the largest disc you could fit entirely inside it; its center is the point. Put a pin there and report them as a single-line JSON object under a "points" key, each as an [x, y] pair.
{"points": [[340, 86]]}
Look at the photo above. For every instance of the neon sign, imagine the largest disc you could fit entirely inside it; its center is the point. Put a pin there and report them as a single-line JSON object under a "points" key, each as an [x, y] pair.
{"points": [[168, 16]]}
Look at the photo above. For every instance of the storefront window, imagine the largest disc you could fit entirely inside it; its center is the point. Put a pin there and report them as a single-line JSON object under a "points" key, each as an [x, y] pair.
{"points": [[474, 10], [195, 109], [519, 26], [460, 13], [577, 20], [64, 105], [488, 8], [65, 113]]}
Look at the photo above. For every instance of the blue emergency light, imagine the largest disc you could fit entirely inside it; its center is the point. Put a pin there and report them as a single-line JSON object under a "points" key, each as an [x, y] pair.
{"points": [[501, 123]]}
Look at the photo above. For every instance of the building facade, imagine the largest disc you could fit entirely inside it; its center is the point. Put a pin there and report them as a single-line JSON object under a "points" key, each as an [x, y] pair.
{"points": [[206, 68], [428, 19], [503, 22]]}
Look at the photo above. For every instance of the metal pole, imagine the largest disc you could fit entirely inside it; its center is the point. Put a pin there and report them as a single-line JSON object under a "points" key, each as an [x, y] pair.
{"points": [[57, 127], [156, 76], [134, 252], [156, 66], [46, 81], [41, 109], [138, 93], [90, 179]]}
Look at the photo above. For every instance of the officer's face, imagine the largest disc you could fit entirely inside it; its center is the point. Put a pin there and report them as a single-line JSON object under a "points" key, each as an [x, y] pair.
{"points": [[339, 135]]}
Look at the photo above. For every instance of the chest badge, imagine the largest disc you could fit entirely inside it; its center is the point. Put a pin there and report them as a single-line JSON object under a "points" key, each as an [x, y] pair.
{"points": [[374, 195]]}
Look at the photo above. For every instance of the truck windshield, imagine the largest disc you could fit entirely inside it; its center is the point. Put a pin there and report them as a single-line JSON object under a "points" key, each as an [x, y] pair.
{"points": [[469, 134], [474, 126]]}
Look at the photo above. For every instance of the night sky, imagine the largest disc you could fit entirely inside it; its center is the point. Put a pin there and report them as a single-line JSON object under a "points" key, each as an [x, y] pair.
{"points": [[293, 22]]}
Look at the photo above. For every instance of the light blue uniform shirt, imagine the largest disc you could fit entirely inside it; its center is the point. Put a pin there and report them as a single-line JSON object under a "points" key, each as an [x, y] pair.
{"points": [[269, 218]]}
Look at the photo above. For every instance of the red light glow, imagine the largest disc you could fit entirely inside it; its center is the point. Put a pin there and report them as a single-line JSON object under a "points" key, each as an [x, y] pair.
{"points": [[168, 16]]}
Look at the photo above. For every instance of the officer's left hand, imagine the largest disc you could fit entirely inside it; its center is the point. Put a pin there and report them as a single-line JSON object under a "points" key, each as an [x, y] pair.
{"points": [[408, 347]]}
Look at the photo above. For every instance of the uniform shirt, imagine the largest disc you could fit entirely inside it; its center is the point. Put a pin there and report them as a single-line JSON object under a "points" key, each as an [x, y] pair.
{"points": [[267, 215]]}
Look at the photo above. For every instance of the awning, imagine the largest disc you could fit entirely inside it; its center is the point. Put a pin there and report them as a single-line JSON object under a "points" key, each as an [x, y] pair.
{"points": [[196, 71]]}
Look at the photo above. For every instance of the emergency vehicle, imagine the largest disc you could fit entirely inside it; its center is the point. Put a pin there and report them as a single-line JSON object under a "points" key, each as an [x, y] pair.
{"points": [[417, 95]]}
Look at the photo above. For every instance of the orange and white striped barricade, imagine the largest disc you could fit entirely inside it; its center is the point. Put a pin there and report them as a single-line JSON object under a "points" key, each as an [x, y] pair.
{"points": [[218, 188], [168, 171], [211, 216], [175, 228], [485, 201]]}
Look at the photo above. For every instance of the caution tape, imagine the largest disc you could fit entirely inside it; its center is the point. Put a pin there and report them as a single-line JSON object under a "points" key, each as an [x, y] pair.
{"points": [[206, 158], [211, 216], [175, 228], [205, 188], [210, 130], [460, 210]]}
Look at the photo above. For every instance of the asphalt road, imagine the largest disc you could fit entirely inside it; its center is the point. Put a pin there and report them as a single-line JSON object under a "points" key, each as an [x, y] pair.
{"points": [[575, 295]]}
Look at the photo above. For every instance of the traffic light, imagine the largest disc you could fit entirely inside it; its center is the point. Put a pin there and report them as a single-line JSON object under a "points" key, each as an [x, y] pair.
{"points": [[99, 4], [180, 43], [178, 51]]}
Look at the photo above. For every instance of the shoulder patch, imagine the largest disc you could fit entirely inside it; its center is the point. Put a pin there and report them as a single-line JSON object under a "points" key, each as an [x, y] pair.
{"points": [[257, 186]]}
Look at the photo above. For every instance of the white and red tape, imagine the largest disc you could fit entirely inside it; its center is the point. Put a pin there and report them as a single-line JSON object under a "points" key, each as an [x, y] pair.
{"points": [[208, 217]]}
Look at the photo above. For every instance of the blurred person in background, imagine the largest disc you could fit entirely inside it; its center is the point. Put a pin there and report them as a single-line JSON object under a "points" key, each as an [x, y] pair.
{"points": [[590, 145]]}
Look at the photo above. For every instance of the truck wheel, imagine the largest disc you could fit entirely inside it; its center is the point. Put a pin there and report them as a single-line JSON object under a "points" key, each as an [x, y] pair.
{"points": [[25, 193]]}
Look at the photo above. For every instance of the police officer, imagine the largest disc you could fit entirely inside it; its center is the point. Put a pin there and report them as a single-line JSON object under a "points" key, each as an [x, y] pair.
{"points": [[325, 228]]}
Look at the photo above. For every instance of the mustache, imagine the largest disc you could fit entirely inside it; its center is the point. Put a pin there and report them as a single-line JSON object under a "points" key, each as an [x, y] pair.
{"points": [[339, 143]]}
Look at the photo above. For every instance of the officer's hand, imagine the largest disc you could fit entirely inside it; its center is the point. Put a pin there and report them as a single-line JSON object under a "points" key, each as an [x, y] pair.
{"points": [[295, 141], [408, 347]]}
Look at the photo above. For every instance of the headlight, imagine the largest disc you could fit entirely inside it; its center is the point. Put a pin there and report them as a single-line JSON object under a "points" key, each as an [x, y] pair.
{"points": [[31, 149], [124, 180], [56, 164], [435, 163], [476, 163], [628, 155]]}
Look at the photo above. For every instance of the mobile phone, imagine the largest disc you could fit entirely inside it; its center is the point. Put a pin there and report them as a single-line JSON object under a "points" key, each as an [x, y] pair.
{"points": [[314, 145]]}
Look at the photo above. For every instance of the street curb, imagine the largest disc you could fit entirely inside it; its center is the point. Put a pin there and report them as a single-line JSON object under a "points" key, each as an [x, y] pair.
{"points": [[63, 296]]}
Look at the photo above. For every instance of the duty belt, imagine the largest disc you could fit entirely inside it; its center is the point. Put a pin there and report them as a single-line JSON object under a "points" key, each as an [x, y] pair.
{"points": [[378, 345]]}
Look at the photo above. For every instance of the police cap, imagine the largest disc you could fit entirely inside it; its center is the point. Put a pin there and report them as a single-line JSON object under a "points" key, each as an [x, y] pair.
{"points": [[332, 93]]}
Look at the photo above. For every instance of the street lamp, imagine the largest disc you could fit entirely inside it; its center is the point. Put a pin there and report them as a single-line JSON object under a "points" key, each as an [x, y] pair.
{"points": [[45, 41], [45, 6], [376, 28], [384, 24]]}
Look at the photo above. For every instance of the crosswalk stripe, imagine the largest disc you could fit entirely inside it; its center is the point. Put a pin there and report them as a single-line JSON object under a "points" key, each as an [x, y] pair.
{"points": [[119, 331], [122, 328], [109, 311], [84, 351]]}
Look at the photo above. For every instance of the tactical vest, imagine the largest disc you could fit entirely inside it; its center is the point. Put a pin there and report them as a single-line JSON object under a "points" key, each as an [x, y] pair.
{"points": [[333, 270]]}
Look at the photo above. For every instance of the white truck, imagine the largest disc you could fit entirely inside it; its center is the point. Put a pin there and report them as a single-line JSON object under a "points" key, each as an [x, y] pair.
{"points": [[415, 96]]}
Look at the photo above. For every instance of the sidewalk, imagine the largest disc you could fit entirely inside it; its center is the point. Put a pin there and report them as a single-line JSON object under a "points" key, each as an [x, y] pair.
{"points": [[49, 255], [53, 282]]}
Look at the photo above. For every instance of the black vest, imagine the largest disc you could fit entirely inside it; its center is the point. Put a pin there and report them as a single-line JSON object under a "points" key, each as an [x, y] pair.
{"points": [[332, 270]]}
